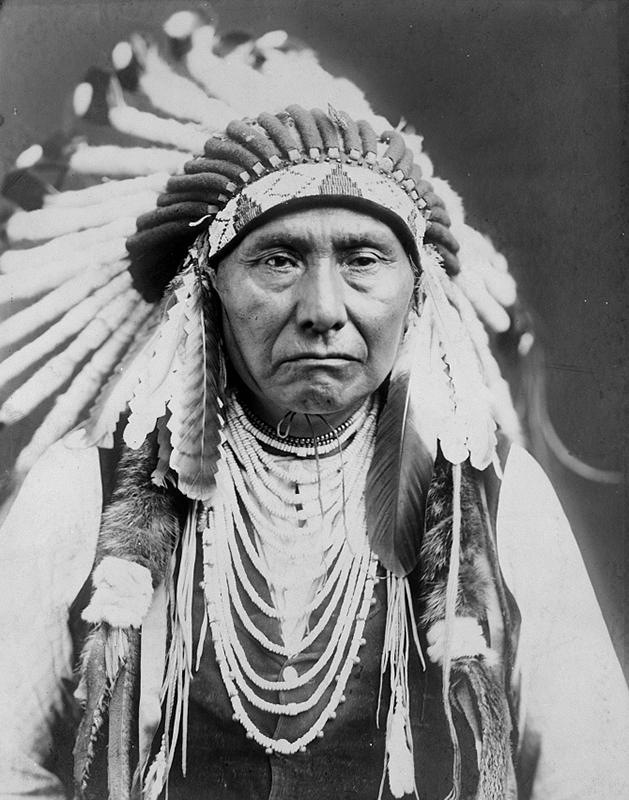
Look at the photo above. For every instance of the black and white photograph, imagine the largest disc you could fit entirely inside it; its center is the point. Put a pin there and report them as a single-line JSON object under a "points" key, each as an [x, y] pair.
{"points": [[314, 364]]}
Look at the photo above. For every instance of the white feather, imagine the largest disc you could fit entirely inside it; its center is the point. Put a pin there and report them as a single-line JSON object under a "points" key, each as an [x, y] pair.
{"points": [[45, 223], [470, 430], [66, 247], [108, 190], [114, 161], [488, 309], [148, 126], [31, 283]]}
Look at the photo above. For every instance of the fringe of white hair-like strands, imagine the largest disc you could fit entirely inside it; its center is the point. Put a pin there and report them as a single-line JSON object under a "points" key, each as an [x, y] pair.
{"points": [[180, 661], [452, 588], [499, 394], [470, 429], [400, 628]]}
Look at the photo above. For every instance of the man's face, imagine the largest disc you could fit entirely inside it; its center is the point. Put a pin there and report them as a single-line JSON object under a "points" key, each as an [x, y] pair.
{"points": [[314, 308]]}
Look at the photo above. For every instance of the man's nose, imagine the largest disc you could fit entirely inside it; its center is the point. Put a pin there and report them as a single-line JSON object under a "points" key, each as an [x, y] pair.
{"points": [[321, 301]]}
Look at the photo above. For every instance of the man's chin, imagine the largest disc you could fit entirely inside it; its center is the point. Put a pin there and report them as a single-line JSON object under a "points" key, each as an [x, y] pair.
{"points": [[325, 399]]}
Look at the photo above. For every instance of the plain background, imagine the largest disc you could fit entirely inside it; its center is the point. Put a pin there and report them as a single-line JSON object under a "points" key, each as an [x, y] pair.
{"points": [[521, 104]]}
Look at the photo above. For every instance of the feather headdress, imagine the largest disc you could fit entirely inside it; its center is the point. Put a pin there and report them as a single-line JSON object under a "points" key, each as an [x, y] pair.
{"points": [[114, 314], [107, 250]]}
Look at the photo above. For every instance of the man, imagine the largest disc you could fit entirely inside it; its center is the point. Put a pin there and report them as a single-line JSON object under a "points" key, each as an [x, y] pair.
{"points": [[306, 579]]}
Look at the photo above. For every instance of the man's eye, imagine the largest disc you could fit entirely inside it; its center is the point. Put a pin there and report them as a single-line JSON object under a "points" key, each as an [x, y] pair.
{"points": [[279, 261], [362, 261]]}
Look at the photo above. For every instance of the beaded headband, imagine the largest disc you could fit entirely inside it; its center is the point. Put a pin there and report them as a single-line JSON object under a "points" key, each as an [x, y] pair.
{"points": [[318, 183]]}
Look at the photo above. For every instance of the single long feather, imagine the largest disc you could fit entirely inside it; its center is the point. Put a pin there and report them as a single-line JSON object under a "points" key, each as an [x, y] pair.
{"points": [[122, 743], [96, 687], [101, 192], [399, 475], [196, 422], [124, 162]]}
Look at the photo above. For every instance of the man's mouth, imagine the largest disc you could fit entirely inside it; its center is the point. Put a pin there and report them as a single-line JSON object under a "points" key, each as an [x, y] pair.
{"points": [[328, 357]]}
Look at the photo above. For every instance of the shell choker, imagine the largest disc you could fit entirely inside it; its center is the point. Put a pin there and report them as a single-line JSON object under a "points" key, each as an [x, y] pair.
{"points": [[279, 438]]}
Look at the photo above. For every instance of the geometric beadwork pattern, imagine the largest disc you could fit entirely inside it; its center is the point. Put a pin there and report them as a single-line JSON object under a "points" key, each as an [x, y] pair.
{"points": [[320, 179]]}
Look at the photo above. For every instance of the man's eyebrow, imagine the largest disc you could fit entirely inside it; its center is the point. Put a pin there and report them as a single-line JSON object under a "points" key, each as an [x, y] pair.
{"points": [[274, 239], [363, 239]]}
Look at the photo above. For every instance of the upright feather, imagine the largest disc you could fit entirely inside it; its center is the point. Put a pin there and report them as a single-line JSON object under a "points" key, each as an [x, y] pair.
{"points": [[399, 475]]}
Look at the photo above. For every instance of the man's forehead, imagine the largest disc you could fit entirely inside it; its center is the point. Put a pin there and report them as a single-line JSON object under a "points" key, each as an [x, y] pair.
{"points": [[329, 224]]}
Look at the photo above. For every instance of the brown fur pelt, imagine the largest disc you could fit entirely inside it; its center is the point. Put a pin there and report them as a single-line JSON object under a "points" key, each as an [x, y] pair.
{"points": [[474, 578], [476, 582], [142, 521]]}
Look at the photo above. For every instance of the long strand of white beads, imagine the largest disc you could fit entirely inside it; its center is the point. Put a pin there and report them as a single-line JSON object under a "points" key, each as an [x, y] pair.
{"points": [[302, 515]]}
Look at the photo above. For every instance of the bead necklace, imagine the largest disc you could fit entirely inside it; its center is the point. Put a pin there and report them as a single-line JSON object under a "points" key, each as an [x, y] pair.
{"points": [[302, 523], [301, 446]]}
